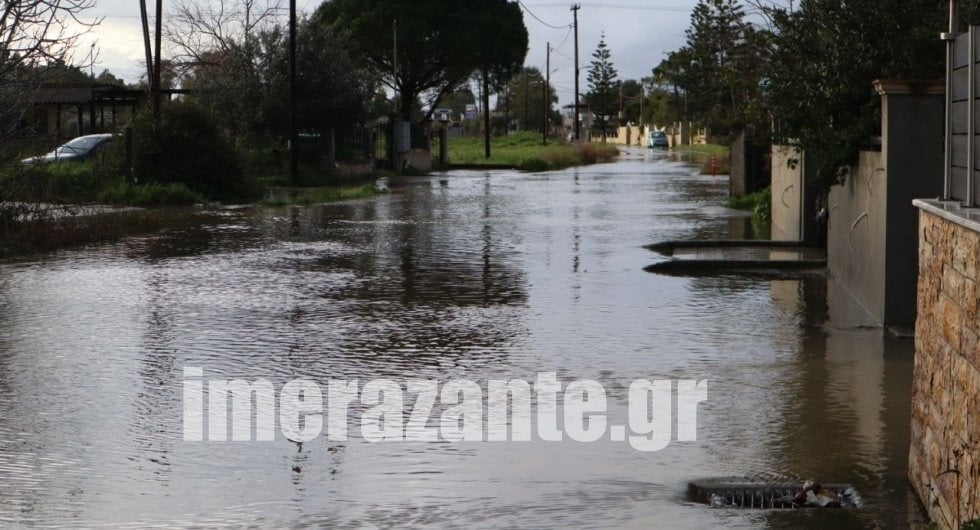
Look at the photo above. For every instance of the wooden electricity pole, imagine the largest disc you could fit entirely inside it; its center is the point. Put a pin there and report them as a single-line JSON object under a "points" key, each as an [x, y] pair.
{"points": [[575, 9], [156, 67], [547, 93], [293, 144]]}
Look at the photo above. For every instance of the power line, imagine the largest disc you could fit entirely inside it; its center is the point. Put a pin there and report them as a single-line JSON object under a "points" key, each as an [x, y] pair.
{"points": [[565, 55], [529, 12], [623, 6], [564, 40]]}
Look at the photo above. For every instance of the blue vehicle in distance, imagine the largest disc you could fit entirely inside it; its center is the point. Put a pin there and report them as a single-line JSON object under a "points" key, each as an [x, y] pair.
{"points": [[657, 139]]}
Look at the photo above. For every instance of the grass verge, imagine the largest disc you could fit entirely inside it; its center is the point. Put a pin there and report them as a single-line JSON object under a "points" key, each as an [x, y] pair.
{"points": [[60, 229], [705, 153], [706, 149], [308, 196], [524, 151], [760, 203], [151, 194]]}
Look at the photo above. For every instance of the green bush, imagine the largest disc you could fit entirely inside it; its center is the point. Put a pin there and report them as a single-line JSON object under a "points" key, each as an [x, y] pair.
{"points": [[534, 164], [60, 182], [185, 147], [759, 202], [261, 162]]}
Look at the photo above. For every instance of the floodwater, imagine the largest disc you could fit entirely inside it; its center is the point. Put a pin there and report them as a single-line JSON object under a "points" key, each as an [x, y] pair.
{"points": [[467, 275]]}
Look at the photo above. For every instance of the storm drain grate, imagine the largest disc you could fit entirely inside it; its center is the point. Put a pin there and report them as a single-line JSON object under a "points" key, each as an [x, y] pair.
{"points": [[747, 494]]}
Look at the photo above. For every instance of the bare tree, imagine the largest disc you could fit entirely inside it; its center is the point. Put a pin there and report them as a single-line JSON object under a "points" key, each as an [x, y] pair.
{"points": [[197, 28], [38, 39]]}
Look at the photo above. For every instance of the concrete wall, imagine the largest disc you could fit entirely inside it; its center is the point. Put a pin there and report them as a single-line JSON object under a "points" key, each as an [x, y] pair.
{"points": [[913, 127], [856, 233], [737, 184], [683, 133], [871, 244], [417, 159], [628, 136], [944, 457], [787, 185]]}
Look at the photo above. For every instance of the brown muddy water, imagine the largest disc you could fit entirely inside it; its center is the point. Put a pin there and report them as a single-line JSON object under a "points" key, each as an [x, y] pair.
{"points": [[474, 275]]}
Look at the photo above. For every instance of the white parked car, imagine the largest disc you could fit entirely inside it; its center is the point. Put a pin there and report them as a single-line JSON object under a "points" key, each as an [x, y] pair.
{"points": [[81, 148]]}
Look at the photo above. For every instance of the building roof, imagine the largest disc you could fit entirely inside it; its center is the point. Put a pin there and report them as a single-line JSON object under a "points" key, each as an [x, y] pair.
{"points": [[85, 93]]}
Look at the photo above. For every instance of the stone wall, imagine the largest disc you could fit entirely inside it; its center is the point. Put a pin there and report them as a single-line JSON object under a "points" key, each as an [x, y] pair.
{"points": [[944, 459]]}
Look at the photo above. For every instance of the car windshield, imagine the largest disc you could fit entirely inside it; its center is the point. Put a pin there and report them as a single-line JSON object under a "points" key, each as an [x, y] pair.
{"points": [[657, 135], [77, 146]]}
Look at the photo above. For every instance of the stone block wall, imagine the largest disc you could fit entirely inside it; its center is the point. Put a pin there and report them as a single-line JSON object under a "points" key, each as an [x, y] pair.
{"points": [[944, 459]]}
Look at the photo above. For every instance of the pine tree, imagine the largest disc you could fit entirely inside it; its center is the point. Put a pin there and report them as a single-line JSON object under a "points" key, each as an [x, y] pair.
{"points": [[721, 69], [603, 95]]}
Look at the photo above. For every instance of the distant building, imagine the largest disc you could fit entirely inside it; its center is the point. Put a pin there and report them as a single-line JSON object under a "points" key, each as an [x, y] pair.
{"points": [[62, 111]]}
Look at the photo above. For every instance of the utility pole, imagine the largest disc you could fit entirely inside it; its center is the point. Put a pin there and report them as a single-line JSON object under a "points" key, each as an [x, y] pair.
{"points": [[146, 44], [547, 92], [394, 64], [574, 9], [620, 101], [486, 113], [293, 146], [642, 89], [156, 68], [396, 118], [524, 123]]}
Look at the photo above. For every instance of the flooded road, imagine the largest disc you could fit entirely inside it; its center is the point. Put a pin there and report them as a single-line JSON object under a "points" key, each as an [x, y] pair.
{"points": [[469, 275]]}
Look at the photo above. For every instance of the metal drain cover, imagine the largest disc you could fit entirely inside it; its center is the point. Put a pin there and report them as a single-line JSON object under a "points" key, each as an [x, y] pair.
{"points": [[737, 492]]}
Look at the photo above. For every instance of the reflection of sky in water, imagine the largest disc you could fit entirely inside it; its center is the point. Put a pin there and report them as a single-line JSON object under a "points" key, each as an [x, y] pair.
{"points": [[489, 276]]}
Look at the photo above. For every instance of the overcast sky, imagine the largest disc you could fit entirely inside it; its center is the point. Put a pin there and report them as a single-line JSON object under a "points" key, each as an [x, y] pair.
{"points": [[638, 32]]}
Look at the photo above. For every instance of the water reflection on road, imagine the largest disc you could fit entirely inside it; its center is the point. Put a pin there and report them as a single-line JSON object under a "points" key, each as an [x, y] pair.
{"points": [[473, 275]]}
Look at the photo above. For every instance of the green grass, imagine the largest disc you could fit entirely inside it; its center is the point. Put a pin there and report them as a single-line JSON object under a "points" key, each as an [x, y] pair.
{"points": [[319, 195], [760, 203], [707, 149], [524, 150], [750, 201], [88, 183], [52, 231], [150, 194], [703, 153]]}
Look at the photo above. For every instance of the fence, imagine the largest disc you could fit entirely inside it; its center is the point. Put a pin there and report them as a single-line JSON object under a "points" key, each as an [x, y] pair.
{"points": [[961, 150], [387, 147]]}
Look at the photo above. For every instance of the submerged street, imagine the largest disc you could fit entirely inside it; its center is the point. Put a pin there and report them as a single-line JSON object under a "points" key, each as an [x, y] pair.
{"points": [[466, 275]]}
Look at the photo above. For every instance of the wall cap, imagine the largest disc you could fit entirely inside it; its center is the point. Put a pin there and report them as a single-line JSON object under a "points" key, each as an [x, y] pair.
{"points": [[908, 86], [951, 211]]}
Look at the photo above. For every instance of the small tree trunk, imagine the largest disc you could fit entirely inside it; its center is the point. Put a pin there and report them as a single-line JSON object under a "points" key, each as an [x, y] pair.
{"points": [[486, 114]]}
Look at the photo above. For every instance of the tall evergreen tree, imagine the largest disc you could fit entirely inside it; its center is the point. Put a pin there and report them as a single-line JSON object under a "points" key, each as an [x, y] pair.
{"points": [[603, 94], [721, 69]]}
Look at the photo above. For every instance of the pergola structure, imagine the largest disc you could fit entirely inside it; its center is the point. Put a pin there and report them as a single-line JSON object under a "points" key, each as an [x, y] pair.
{"points": [[74, 109]]}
